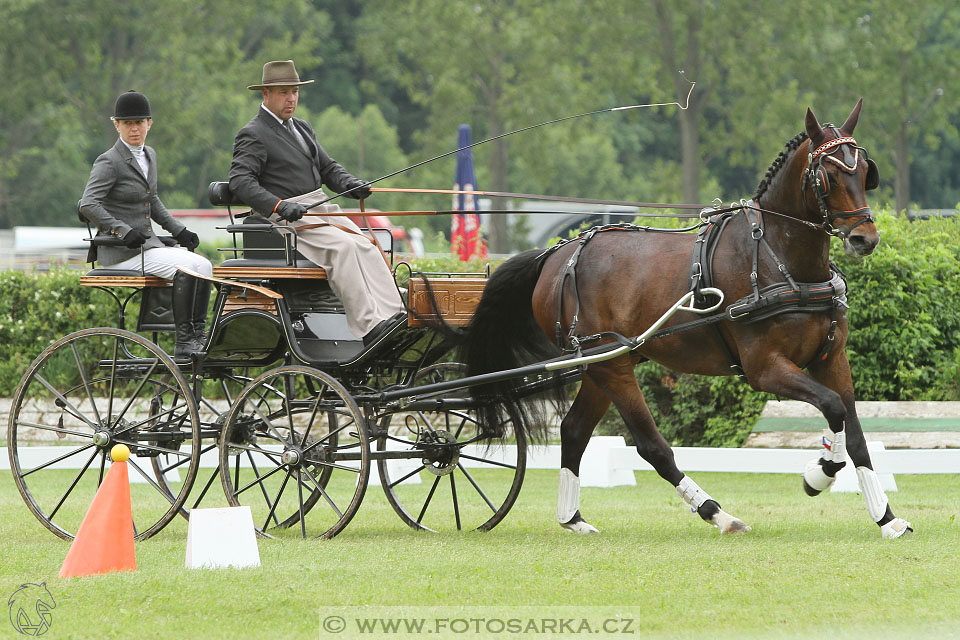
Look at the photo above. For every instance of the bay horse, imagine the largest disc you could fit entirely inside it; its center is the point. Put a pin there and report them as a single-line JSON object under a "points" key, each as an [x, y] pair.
{"points": [[783, 326]]}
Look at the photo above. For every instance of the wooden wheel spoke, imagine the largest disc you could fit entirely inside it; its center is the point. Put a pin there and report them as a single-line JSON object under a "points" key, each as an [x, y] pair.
{"points": [[73, 484], [477, 487], [46, 464], [83, 378], [426, 503]]}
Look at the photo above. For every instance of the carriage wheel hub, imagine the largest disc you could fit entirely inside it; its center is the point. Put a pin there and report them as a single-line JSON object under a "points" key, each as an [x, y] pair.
{"points": [[101, 438], [440, 457], [291, 457]]}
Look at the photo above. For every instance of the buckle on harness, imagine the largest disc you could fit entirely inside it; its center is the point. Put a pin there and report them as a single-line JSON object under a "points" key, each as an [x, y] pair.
{"points": [[731, 309]]}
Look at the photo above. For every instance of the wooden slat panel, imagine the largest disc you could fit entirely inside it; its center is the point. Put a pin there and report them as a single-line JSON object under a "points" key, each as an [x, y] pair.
{"points": [[123, 281], [252, 300], [456, 299], [270, 272]]}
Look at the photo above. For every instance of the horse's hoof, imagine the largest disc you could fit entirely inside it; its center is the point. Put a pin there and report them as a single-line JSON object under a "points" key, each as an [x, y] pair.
{"points": [[896, 528], [815, 478], [579, 526], [737, 526], [728, 524], [810, 491]]}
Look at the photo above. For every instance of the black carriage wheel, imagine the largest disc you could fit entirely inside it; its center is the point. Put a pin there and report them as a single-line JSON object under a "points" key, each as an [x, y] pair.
{"points": [[456, 482], [295, 450], [85, 393], [213, 412]]}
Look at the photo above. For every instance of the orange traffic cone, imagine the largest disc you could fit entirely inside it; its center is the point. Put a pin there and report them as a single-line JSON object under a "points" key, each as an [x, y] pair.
{"points": [[104, 541]]}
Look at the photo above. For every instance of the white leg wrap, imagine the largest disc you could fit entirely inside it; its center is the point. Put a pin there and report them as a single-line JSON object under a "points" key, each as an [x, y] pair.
{"points": [[814, 476], [873, 493], [834, 446], [692, 494], [568, 498]]}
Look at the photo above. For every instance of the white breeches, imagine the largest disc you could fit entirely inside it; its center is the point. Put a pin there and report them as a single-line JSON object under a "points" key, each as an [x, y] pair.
{"points": [[163, 262]]}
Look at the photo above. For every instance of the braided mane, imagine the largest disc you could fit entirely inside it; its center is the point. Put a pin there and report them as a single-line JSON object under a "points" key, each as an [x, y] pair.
{"points": [[778, 163]]}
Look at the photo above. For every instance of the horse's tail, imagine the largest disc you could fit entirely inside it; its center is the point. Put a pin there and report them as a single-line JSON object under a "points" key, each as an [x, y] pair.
{"points": [[503, 334]]}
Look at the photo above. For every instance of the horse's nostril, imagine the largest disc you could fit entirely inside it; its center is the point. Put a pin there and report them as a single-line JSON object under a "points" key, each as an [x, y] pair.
{"points": [[861, 244]]}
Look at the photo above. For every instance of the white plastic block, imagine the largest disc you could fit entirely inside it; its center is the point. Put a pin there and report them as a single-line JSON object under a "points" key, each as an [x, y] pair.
{"points": [[847, 477], [222, 537], [599, 467]]}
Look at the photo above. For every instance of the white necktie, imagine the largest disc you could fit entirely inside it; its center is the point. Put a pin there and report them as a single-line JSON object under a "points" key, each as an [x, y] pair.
{"points": [[141, 157]]}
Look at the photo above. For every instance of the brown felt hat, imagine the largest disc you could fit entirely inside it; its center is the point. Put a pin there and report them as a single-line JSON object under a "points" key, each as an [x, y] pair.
{"points": [[279, 73]]}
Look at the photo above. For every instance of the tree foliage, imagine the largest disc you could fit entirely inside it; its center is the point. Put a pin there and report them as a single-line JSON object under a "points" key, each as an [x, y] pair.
{"points": [[403, 76]]}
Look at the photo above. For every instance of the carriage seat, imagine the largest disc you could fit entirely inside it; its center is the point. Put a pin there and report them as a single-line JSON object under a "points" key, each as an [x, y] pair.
{"points": [[106, 277], [268, 268], [268, 252]]}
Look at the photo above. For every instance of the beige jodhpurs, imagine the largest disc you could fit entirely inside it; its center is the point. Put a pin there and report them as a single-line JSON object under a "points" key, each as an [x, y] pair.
{"points": [[355, 267]]}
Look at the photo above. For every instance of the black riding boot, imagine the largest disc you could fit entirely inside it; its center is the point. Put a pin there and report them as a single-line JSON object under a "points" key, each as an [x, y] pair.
{"points": [[184, 293], [201, 300]]}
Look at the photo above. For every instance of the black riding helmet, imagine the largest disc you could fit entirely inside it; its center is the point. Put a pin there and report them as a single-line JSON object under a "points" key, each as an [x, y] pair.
{"points": [[131, 105]]}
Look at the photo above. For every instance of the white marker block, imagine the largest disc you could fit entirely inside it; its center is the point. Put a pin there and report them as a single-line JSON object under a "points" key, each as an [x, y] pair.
{"points": [[598, 467], [222, 537], [846, 481]]}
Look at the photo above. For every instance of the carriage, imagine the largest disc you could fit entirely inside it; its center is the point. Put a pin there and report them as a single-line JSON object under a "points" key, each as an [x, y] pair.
{"points": [[285, 409], [289, 411]]}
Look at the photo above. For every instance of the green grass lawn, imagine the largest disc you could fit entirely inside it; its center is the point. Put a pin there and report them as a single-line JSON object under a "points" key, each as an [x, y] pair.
{"points": [[812, 567]]}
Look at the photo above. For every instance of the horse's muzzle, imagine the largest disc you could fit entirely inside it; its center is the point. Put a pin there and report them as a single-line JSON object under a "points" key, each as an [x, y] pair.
{"points": [[859, 244]]}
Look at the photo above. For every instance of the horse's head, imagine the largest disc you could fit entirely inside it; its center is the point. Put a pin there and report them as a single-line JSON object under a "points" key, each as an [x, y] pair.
{"points": [[836, 180]]}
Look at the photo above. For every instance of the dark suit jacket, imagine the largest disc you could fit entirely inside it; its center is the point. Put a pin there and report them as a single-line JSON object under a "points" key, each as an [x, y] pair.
{"points": [[270, 165], [118, 198]]}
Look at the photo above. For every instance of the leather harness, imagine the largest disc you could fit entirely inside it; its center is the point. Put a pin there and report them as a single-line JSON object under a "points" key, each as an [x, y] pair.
{"points": [[787, 296]]}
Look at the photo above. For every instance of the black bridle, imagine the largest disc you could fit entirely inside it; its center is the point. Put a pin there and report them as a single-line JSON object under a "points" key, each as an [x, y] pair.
{"points": [[815, 178]]}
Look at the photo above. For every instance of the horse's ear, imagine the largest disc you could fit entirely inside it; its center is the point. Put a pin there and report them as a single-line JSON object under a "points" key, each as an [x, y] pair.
{"points": [[851, 122], [812, 125]]}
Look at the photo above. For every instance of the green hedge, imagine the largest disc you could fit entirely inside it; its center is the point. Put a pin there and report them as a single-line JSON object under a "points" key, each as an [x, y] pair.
{"points": [[38, 308], [904, 342]]}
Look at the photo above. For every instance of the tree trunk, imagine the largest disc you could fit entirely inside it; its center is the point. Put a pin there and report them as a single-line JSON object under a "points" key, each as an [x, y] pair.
{"points": [[689, 118], [901, 150], [901, 180], [499, 227], [690, 149], [499, 239]]}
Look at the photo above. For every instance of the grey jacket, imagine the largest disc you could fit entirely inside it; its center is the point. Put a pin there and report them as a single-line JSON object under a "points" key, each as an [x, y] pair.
{"points": [[269, 164], [118, 198]]}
